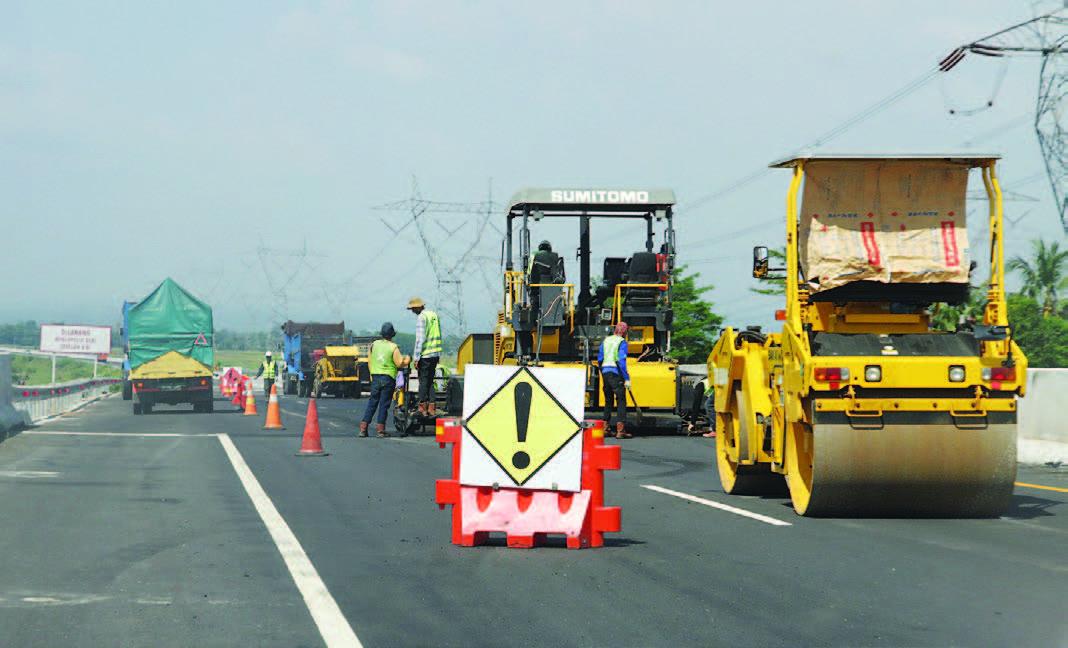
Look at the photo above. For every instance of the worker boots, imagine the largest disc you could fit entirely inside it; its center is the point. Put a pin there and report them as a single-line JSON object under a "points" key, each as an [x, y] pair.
{"points": [[380, 430], [432, 408], [363, 428], [621, 431], [422, 409]]}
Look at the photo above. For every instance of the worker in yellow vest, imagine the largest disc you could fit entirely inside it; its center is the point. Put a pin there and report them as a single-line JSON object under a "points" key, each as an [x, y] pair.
{"points": [[386, 359], [615, 380], [268, 370], [427, 352]]}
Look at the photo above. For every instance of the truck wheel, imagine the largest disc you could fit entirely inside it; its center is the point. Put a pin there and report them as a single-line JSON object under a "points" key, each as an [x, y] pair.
{"points": [[127, 390], [146, 408], [209, 407], [137, 409]]}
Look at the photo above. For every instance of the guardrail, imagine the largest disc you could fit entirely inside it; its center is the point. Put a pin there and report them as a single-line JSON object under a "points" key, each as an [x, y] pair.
{"points": [[41, 402]]}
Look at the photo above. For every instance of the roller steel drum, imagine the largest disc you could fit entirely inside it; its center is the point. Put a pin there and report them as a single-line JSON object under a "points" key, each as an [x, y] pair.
{"points": [[904, 464]]}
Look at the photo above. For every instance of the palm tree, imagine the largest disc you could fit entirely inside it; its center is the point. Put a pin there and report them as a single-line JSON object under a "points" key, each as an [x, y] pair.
{"points": [[1044, 274]]}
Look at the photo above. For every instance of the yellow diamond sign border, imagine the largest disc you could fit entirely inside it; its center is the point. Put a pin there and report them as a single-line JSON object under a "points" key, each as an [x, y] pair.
{"points": [[523, 371]]}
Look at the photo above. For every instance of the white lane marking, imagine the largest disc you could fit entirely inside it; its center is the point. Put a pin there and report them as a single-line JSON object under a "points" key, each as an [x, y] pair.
{"points": [[716, 505], [30, 474], [142, 435], [333, 626]]}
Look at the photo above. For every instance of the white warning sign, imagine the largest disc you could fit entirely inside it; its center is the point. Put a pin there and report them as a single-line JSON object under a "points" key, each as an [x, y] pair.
{"points": [[523, 427]]}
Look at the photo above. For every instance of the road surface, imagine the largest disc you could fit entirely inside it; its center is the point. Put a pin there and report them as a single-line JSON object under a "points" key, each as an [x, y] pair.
{"points": [[182, 529]]}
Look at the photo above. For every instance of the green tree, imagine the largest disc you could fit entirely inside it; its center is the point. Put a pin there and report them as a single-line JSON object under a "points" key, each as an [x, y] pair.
{"points": [[945, 317], [1042, 337], [695, 327], [773, 285], [1044, 274]]}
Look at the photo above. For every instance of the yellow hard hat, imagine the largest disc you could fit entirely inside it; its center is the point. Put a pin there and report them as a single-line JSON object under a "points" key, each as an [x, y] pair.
{"points": [[415, 302]]}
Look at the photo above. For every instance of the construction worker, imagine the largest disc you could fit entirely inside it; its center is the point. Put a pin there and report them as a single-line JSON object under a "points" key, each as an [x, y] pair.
{"points": [[545, 262], [615, 380], [545, 267], [268, 370], [427, 352], [386, 359]]}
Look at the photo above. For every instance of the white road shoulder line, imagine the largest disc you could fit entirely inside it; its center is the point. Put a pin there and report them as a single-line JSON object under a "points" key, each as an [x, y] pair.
{"points": [[332, 624], [142, 435], [716, 505]]}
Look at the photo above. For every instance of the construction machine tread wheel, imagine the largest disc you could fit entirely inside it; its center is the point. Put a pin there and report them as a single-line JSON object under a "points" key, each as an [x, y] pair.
{"points": [[737, 479], [127, 390], [137, 409], [745, 480], [914, 464], [798, 462]]}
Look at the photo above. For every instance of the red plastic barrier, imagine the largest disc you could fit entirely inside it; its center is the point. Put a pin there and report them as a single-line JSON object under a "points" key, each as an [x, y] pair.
{"points": [[527, 516]]}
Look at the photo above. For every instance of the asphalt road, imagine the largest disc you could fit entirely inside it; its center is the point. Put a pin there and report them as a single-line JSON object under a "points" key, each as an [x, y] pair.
{"points": [[139, 531]]}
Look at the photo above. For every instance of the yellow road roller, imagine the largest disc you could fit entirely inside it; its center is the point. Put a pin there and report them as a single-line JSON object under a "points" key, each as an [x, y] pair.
{"points": [[858, 402]]}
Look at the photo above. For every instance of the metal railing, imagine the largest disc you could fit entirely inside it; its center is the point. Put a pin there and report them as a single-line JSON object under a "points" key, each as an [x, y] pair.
{"points": [[44, 401]]}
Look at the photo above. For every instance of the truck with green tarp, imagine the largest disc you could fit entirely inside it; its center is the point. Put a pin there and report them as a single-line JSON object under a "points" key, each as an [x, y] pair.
{"points": [[171, 350]]}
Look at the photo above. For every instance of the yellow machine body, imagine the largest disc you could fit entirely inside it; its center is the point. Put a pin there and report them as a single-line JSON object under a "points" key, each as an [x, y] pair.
{"points": [[342, 371], [863, 408]]}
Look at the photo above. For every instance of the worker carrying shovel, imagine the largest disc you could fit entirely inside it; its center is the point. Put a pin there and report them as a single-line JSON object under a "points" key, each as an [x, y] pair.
{"points": [[615, 381]]}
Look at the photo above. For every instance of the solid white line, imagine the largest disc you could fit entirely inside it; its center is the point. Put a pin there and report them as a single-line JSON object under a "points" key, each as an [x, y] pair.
{"points": [[333, 626], [31, 474], [142, 435], [716, 505]]}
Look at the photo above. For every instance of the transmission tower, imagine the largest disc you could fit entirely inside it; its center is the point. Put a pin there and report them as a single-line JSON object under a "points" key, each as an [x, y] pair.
{"points": [[1045, 36], [437, 234], [281, 269]]}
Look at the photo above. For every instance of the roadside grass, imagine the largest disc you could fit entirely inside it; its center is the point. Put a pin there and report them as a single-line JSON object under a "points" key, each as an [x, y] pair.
{"points": [[249, 361], [36, 370]]}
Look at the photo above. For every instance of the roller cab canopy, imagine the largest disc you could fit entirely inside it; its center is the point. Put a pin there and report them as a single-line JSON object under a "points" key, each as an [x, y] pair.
{"points": [[568, 202], [171, 320], [888, 219]]}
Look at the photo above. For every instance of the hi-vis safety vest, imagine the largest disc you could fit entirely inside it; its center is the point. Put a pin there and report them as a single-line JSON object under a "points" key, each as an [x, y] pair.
{"points": [[268, 369], [611, 351], [432, 329], [382, 358]]}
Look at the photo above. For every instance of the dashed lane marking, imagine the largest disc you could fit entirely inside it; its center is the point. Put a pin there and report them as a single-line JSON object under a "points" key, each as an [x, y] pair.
{"points": [[716, 505], [332, 624], [28, 474], [1042, 487], [142, 435]]}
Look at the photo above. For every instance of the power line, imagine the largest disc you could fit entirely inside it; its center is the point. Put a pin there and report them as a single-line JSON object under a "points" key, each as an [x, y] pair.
{"points": [[449, 273]]}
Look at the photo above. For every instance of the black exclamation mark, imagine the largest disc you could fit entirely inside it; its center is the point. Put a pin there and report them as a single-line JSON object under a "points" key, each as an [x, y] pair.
{"points": [[523, 394]]}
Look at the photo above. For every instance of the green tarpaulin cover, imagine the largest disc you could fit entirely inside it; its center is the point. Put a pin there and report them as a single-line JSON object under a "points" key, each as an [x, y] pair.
{"points": [[170, 319]]}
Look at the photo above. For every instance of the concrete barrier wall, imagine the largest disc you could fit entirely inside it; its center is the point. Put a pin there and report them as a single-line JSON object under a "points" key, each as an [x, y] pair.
{"points": [[1043, 425], [10, 418]]}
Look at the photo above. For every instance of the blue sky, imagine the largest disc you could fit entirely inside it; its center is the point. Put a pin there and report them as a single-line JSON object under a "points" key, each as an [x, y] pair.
{"points": [[213, 142]]}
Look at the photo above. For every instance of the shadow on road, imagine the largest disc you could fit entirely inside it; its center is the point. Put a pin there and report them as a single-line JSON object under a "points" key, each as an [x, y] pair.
{"points": [[1028, 507]]}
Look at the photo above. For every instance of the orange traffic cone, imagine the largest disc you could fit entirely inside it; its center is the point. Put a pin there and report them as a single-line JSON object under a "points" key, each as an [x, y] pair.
{"points": [[312, 445], [250, 400], [239, 395], [274, 416]]}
